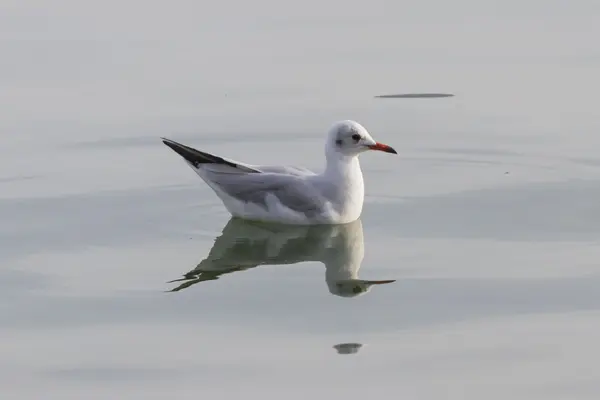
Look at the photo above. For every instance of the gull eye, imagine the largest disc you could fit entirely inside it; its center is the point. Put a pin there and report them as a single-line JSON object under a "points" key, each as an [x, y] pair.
{"points": [[356, 137]]}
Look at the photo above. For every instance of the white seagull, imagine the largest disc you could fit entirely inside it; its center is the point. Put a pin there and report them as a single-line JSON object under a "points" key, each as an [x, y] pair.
{"points": [[288, 194]]}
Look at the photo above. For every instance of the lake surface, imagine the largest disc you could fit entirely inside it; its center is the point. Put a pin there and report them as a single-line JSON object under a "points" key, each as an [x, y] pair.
{"points": [[488, 219]]}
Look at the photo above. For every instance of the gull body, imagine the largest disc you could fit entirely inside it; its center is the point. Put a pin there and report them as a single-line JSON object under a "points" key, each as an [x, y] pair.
{"points": [[289, 194]]}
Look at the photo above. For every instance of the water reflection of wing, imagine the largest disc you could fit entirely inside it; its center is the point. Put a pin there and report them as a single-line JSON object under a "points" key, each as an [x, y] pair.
{"points": [[247, 244], [195, 276]]}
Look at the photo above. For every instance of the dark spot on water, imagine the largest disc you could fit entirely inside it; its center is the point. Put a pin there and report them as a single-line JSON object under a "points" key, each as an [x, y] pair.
{"points": [[347, 348], [414, 95]]}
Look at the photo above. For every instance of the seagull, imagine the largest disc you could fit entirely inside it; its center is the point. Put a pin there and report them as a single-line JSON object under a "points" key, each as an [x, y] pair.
{"points": [[290, 194], [244, 245]]}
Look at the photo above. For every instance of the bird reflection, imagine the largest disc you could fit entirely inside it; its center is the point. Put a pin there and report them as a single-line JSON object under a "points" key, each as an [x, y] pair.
{"points": [[247, 244]]}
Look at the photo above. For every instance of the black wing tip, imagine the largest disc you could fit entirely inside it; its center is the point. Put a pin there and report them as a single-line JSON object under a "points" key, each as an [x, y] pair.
{"points": [[189, 154], [168, 141], [197, 157]]}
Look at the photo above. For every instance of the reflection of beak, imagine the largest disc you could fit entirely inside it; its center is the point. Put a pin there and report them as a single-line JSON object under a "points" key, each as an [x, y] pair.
{"points": [[382, 147], [380, 282]]}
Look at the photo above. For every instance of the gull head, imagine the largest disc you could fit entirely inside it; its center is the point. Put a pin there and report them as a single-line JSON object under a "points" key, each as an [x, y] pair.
{"points": [[351, 138]]}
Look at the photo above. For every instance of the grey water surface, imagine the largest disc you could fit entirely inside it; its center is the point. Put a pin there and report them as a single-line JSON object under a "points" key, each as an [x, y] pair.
{"points": [[473, 272]]}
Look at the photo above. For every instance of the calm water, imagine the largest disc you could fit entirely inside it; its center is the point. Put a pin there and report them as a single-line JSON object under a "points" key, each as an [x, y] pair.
{"points": [[123, 276]]}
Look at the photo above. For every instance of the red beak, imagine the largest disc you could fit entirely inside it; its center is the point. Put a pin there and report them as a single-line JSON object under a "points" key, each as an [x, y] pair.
{"points": [[383, 147]]}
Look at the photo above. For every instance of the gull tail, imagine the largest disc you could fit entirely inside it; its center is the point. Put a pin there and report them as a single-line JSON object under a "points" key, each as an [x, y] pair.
{"points": [[197, 157]]}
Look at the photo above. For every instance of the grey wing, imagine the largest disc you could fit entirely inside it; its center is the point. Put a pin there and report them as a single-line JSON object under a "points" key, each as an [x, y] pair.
{"points": [[292, 191], [284, 169]]}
